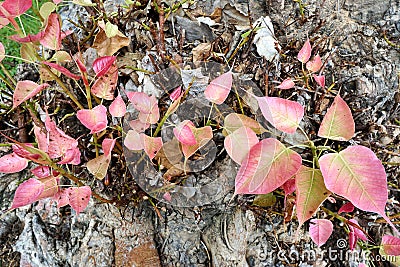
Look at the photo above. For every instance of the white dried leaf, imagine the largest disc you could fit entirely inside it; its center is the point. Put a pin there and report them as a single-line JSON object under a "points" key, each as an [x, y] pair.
{"points": [[264, 39]]}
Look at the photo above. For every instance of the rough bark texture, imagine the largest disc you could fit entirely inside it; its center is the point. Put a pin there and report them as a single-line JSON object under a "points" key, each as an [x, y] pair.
{"points": [[221, 234]]}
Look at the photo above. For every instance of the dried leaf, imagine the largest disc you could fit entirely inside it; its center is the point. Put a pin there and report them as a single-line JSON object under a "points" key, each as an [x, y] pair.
{"points": [[234, 121], [108, 46], [99, 166], [151, 145]]}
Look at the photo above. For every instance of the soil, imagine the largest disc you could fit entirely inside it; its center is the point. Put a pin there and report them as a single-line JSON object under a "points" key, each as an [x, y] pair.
{"points": [[359, 42]]}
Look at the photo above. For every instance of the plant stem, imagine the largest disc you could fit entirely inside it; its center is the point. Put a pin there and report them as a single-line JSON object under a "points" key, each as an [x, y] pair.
{"points": [[7, 73]]}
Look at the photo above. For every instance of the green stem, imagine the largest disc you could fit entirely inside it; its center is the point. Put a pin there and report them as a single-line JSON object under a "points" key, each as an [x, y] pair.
{"points": [[160, 124], [7, 73]]}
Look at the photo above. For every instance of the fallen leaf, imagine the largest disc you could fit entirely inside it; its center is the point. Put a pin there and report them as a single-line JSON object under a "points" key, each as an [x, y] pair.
{"points": [[108, 46], [218, 89], [305, 52]]}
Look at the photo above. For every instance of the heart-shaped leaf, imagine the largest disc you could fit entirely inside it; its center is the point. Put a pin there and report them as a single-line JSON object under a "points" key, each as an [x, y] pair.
{"points": [[103, 64], [50, 187], [310, 192], [99, 166], [108, 145], [94, 119], [71, 156], [133, 141], [27, 193], [151, 145], [184, 133], [338, 123], [51, 37], [150, 118], [14, 8], [391, 245], [202, 135], [358, 175], [111, 29], [267, 166], [142, 102], [117, 107], [348, 207], [315, 64], [285, 115], [12, 163], [239, 143], [41, 171], [105, 85], [234, 121], [79, 197], [62, 197], [26, 90], [286, 84], [138, 126], [218, 89], [320, 231]]}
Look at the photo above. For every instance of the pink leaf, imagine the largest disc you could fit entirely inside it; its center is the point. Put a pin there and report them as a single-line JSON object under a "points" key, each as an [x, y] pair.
{"points": [[150, 118], [63, 70], [103, 64], [41, 171], [358, 233], [320, 231], [184, 133], [202, 135], [26, 90], [71, 156], [2, 52], [27, 193], [62, 197], [305, 52], [348, 207], [22, 152], [142, 102], [239, 143], [285, 115], [79, 197], [94, 119], [117, 107], [30, 38], [391, 245], [310, 192], [108, 145], [12, 163], [267, 166], [138, 126], [338, 123], [57, 1], [234, 121], [175, 95], [358, 175], [218, 89], [133, 141], [289, 186], [14, 8], [320, 79], [151, 145], [105, 85], [286, 84], [50, 187], [315, 64], [51, 38]]}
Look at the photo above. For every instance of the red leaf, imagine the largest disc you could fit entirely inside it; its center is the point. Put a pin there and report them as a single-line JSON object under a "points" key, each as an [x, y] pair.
{"points": [[103, 64], [12, 163], [117, 107], [105, 85], [14, 8], [26, 90], [108, 145], [30, 38], [239, 143], [27, 193], [22, 152], [305, 52], [184, 133], [289, 186], [94, 119], [320, 231], [391, 245], [175, 95], [320, 79], [285, 115], [358, 233], [348, 207], [62, 197], [79, 197], [218, 89], [267, 166], [358, 175], [133, 141], [286, 84], [310, 192], [315, 64], [151, 145], [338, 123], [63, 70], [51, 37]]}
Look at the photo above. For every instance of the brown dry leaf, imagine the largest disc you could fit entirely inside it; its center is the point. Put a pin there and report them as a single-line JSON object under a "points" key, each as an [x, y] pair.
{"points": [[105, 85], [46, 76], [108, 46], [201, 52]]}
